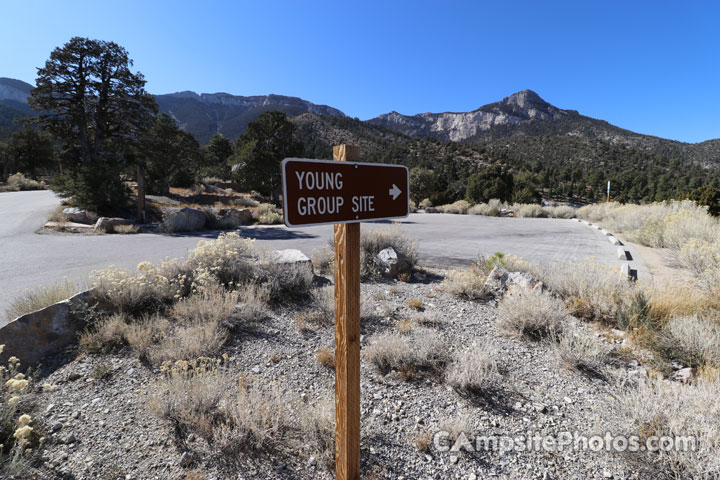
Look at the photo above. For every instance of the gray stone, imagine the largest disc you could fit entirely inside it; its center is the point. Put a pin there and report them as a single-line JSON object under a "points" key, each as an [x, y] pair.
{"points": [[185, 219], [290, 256], [391, 262], [35, 335], [78, 215], [109, 223], [69, 226], [233, 217], [684, 375], [621, 253], [499, 279]]}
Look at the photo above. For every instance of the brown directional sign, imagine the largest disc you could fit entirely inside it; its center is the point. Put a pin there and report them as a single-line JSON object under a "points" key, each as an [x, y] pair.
{"points": [[324, 191]]}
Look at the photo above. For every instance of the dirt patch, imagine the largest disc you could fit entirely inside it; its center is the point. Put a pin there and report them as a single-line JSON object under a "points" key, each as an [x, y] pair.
{"points": [[661, 266]]}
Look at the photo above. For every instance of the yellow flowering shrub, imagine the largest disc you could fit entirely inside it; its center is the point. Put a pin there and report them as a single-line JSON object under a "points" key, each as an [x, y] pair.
{"points": [[147, 290], [16, 432], [227, 260]]}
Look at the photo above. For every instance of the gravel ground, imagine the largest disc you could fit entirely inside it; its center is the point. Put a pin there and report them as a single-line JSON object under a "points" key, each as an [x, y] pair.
{"points": [[102, 428]]}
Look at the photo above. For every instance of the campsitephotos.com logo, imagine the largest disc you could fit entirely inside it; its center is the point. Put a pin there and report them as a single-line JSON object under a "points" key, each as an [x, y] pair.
{"points": [[444, 441]]}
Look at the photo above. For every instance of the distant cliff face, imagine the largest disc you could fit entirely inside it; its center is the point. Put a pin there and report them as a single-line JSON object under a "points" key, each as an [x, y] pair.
{"points": [[206, 114], [203, 115], [519, 108]]}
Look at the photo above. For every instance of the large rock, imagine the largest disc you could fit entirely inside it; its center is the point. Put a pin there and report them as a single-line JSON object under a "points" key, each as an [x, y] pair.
{"points": [[234, 217], [78, 215], [499, 280], [684, 375], [185, 219], [37, 334], [289, 257], [391, 262], [109, 223]]}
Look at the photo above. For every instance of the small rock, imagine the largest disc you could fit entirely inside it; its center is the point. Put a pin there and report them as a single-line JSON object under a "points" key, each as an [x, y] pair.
{"points": [[130, 371], [185, 460], [453, 459], [391, 262], [684, 375], [256, 369]]}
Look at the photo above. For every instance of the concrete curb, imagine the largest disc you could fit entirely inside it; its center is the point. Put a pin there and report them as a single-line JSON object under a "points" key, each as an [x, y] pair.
{"points": [[626, 270]]}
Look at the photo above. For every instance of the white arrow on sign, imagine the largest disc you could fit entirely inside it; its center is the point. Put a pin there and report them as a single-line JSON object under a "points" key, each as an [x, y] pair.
{"points": [[394, 191]]}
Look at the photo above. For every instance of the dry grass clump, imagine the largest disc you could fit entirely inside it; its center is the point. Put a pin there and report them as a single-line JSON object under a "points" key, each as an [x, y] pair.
{"points": [[374, 241], [18, 182], [371, 243], [41, 297], [126, 229], [474, 369], [483, 209], [196, 326], [323, 260], [285, 281], [325, 356], [420, 351], [686, 413], [270, 218], [460, 207], [593, 291], [692, 340], [581, 350], [323, 312], [245, 201], [531, 314], [468, 283], [267, 214], [118, 330], [415, 303], [522, 210], [561, 211], [237, 413]]}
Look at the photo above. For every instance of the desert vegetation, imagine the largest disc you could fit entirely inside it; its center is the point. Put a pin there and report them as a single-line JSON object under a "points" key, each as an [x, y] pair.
{"points": [[215, 332]]}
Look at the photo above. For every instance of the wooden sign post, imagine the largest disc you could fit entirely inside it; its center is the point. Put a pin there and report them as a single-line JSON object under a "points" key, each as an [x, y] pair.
{"points": [[347, 339], [344, 192]]}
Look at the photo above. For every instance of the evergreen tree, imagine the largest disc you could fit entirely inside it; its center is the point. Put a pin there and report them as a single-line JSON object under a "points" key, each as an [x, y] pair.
{"points": [[87, 97], [30, 152], [171, 156], [266, 142]]}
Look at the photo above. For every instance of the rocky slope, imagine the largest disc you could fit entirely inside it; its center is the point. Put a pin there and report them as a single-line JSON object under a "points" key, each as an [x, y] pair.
{"points": [[209, 113], [99, 424]]}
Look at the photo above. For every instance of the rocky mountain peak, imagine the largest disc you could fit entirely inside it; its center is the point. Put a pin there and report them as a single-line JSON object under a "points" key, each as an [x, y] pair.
{"points": [[526, 99]]}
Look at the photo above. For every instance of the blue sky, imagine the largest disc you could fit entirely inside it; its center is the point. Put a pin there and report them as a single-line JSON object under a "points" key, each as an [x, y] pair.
{"points": [[649, 66]]}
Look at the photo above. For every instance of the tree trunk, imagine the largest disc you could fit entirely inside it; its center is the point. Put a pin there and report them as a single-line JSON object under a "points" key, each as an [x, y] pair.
{"points": [[276, 196]]}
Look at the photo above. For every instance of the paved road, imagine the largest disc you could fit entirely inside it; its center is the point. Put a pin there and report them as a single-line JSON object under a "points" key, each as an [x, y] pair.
{"points": [[29, 259]]}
